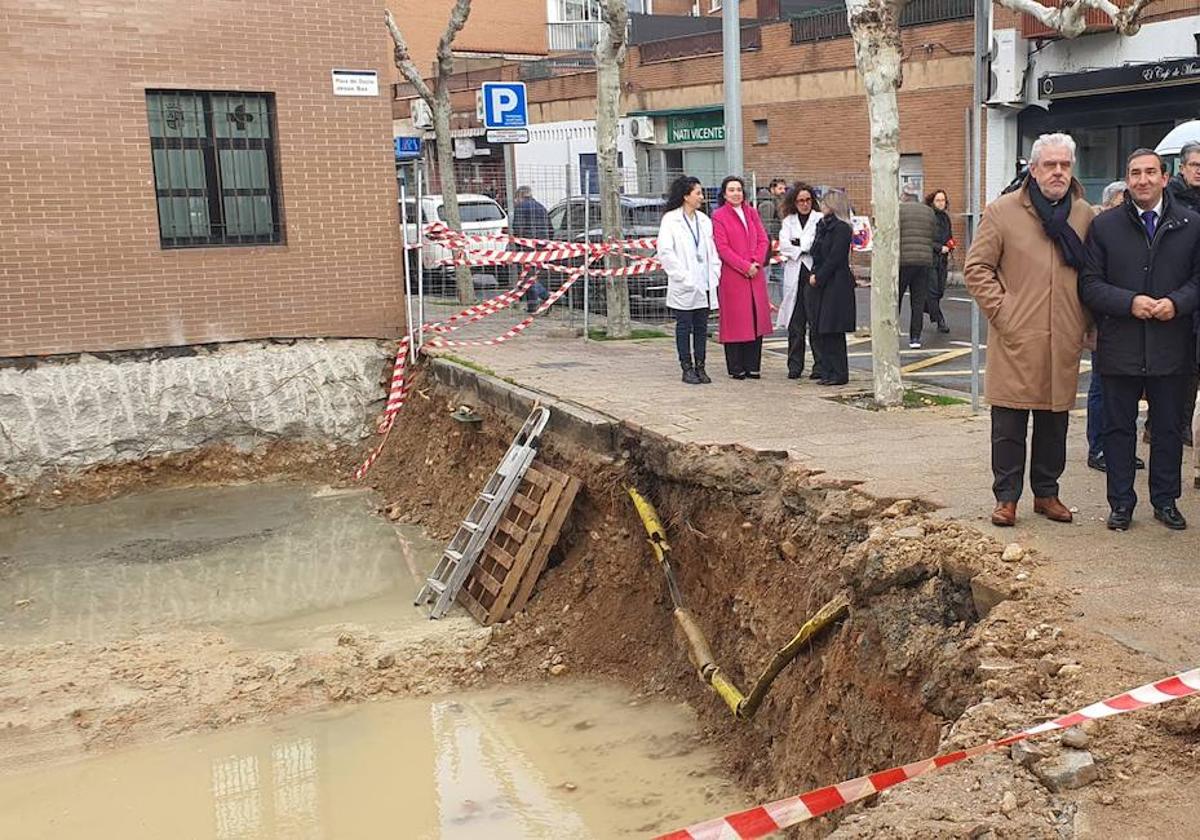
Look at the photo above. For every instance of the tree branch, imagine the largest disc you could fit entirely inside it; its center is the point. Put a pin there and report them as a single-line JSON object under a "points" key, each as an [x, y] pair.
{"points": [[1070, 19], [403, 58], [445, 55], [616, 19]]}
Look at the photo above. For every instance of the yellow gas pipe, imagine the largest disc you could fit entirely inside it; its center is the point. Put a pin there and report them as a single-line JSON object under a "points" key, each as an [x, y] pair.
{"points": [[742, 706]]}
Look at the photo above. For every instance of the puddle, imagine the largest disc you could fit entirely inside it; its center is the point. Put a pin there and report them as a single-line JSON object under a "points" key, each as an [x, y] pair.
{"points": [[264, 556], [567, 760]]}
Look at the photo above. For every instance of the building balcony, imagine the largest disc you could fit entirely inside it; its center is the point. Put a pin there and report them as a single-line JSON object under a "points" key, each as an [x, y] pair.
{"points": [[575, 36]]}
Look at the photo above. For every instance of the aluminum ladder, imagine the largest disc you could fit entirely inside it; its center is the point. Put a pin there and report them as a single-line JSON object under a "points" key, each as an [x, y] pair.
{"points": [[477, 527]]}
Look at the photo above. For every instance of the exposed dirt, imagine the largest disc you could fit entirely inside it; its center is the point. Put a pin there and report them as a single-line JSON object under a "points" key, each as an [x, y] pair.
{"points": [[947, 644]]}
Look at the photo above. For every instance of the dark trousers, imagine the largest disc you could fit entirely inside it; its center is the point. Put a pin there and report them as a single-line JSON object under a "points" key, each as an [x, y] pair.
{"points": [[914, 279], [1165, 395], [1095, 414], [835, 364], [1009, 430], [936, 290], [743, 356], [1189, 408], [691, 335], [798, 328]]}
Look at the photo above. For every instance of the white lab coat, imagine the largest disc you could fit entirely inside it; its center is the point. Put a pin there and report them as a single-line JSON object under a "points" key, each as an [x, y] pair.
{"points": [[794, 256], [692, 272]]}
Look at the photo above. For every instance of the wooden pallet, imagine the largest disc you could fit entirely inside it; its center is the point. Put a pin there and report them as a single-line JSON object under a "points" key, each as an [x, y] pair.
{"points": [[502, 580]]}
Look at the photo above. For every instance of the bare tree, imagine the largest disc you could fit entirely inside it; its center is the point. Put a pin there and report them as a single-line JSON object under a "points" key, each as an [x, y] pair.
{"points": [[439, 104], [875, 28], [610, 56]]}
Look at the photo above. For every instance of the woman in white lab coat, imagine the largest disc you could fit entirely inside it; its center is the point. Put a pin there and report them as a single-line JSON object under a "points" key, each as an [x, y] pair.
{"points": [[799, 226], [689, 257]]}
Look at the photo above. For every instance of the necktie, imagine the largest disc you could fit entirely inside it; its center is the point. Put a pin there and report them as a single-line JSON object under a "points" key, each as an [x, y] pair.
{"points": [[1149, 218]]}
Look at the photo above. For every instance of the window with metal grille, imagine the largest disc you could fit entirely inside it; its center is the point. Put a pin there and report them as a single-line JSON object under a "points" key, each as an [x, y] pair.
{"points": [[214, 168]]}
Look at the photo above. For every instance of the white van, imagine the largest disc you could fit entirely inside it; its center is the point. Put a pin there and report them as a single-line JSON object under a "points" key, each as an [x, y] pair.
{"points": [[481, 216]]}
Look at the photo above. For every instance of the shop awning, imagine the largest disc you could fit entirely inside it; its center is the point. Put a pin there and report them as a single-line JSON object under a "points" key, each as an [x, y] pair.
{"points": [[678, 112]]}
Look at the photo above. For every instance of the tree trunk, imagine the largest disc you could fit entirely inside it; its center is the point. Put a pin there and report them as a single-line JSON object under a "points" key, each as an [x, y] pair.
{"points": [[463, 285], [874, 25], [610, 55]]}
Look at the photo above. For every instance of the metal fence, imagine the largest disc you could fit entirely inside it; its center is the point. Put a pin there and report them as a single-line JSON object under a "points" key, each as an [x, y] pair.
{"points": [[831, 22], [570, 195]]}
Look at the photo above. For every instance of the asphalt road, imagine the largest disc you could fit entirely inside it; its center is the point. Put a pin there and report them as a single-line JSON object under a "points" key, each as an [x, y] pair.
{"points": [[944, 360]]}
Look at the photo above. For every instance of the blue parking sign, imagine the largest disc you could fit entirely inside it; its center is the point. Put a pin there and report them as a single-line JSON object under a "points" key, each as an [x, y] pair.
{"points": [[505, 105]]}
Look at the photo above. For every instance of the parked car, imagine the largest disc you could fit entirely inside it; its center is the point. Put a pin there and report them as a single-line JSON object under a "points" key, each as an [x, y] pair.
{"points": [[640, 218], [481, 216]]}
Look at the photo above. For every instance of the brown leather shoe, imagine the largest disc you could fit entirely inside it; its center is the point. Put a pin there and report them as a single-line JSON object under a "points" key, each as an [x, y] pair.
{"points": [[1005, 514], [1051, 508]]}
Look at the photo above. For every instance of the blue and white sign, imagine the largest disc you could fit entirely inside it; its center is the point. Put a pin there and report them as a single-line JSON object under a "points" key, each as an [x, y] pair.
{"points": [[505, 105], [407, 148]]}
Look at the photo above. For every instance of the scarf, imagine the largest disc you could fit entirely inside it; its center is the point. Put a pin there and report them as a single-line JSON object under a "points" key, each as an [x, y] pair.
{"points": [[1055, 222]]}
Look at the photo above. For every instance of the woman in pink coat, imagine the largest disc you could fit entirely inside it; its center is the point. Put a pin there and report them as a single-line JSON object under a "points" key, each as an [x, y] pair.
{"points": [[745, 312]]}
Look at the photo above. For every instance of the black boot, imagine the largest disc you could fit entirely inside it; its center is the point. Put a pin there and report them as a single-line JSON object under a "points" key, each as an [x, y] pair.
{"points": [[701, 375], [689, 374]]}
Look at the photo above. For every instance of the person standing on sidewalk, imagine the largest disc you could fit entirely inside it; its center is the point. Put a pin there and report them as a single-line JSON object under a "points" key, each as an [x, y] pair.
{"points": [[689, 258], [943, 245], [917, 226], [745, 313], [1022, 269], [1185, 189], [770, 209], [531, 221], [1142, 281], [835, 315], [1113, 196], [796, 234]]}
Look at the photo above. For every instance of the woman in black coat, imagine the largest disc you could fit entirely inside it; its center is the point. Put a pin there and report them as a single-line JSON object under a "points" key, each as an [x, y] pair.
{"points": [[836, 313], [943, 244]]}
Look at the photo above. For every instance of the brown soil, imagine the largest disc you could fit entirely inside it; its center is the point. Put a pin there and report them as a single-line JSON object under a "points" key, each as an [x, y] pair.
{"points": [[759, 544]]}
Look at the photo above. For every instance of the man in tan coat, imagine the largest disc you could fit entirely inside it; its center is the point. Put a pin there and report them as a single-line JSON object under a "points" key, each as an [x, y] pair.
{"points": [[1022, 271]]}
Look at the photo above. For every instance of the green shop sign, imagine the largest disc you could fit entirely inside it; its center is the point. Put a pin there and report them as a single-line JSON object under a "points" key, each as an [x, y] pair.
{"points": [[701, 127]]}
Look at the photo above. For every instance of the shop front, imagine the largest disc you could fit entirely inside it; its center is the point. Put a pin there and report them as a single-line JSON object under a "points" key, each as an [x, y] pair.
{"points": [[693, 144], [1113, 111]]}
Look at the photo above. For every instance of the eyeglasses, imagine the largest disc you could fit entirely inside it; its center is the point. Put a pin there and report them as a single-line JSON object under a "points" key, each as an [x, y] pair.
{"points": [[1195, 164], [803, 200]]}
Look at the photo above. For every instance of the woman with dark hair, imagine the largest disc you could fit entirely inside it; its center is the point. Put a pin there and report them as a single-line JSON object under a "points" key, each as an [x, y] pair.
{"points": [[745, 312], [836, 312], [689, 258], [943, 244], [796, 233]]}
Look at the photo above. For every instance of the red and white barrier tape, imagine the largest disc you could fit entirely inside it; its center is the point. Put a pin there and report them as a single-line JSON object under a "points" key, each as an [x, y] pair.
{"points": [[766, 819]]}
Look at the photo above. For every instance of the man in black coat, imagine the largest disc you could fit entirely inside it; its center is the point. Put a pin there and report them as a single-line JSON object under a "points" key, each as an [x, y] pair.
{"points": [[531, 221], [1142, 282], [1185, 189]]}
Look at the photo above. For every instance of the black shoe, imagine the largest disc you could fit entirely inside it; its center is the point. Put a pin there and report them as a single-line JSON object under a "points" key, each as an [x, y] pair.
{"points": [[754, 375], [1139, 464], [704, 379], [795, 375], [1120, 519], [689, 375], [1171, 517], [738, 375], [815, 375], [942, 328], [1097, 462]]}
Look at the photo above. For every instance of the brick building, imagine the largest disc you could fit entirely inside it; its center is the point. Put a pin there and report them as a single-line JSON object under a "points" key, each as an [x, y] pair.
{"points": [[181, 173]]}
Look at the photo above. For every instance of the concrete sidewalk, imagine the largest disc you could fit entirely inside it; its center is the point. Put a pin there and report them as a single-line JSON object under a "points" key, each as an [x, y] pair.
{"points": [[1142, 587]]}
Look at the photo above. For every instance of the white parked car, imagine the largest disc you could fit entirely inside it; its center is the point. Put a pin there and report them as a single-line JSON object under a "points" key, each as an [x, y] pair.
{"points": [[481, 216]]}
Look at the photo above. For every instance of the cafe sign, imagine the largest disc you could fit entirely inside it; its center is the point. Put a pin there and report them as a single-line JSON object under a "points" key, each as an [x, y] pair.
{"points": [[700, 127], [1113, 79]]}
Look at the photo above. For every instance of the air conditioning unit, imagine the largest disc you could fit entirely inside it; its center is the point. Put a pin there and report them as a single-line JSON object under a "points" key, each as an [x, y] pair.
{"points": [[1010, 54], [641, 129], [420, 113]]}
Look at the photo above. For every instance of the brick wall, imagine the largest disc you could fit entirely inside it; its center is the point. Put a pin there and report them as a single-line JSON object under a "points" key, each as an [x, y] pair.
{"points": [[81, 266]]}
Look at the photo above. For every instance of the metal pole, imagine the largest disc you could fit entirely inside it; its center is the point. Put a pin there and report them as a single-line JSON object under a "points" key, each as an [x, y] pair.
{"points": [[983, 46], [510, 177], [408, 312], [587, 240], [420, 181], [731, 43]]}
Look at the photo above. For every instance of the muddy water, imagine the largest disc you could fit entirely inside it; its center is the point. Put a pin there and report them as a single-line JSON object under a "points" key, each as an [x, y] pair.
{"points": [[235, 557], [573, 760]]}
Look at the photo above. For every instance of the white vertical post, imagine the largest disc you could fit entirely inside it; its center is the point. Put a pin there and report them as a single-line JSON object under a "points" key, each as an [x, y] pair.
{"points": [[731, 44], [408, 310], [420, 180], [587, 240], [983, 46]]}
